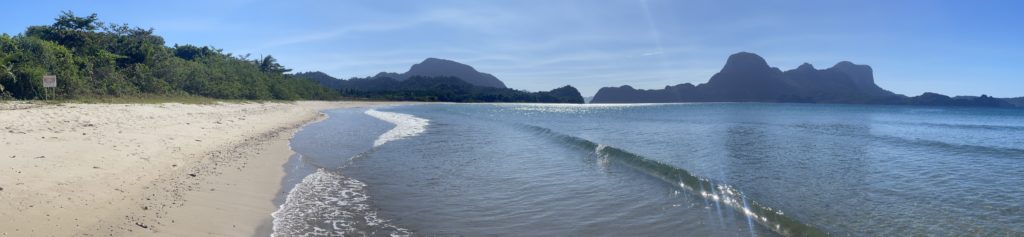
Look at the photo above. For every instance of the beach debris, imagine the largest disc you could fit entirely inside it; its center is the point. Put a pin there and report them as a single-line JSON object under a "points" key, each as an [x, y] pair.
{"points": [[144, 226], [193, 175]]}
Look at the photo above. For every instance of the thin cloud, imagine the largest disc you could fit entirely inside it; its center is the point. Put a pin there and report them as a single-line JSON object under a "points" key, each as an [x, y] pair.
{"points": [[321, 36], [652, 53]]}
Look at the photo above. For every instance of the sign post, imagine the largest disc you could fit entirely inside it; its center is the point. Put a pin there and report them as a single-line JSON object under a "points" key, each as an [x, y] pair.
{"points": [[49, 84]]}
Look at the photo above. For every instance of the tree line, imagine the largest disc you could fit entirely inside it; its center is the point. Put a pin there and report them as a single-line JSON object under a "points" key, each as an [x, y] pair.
{"points": [[93, 59]]}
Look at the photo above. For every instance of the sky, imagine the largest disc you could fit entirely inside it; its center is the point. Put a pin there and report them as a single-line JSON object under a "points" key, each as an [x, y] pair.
{"points": [[948, 47]]}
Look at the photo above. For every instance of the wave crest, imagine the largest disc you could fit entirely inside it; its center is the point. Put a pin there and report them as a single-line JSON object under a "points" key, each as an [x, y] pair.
{"points": [[405, 126], [710, 190]]}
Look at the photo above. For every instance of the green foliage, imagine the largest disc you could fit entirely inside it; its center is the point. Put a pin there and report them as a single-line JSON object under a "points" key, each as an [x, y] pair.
{"points": [[68, 20], [269, 65], [6, 68], [92, 59]]}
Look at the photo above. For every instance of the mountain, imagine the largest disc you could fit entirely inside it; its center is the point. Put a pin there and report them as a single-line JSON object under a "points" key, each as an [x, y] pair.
{"points": [[433, 67], [441, 88], [1019, 101], [360, 84], [929, 98], [747, 77], [565, 94]]}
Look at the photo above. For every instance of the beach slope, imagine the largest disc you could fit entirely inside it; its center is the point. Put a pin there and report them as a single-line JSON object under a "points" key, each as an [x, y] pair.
{"points": [[145, 169]]}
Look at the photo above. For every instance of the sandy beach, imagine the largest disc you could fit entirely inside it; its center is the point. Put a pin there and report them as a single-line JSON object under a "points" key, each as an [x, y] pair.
{"points": [[145, 169]]}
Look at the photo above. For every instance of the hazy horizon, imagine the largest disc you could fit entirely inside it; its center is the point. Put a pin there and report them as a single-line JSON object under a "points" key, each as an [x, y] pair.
{"points": [[914, 47]]}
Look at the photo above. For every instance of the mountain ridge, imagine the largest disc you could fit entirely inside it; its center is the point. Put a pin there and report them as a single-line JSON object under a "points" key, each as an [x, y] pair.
{"points": [[435, 67], [747, 77], [422, 83]]}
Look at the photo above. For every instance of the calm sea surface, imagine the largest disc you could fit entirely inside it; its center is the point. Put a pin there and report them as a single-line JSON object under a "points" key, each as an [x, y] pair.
{"points": [[707, 169]]}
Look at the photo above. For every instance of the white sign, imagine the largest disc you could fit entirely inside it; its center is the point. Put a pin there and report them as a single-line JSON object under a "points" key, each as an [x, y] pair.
{"points": [[49, 81]]}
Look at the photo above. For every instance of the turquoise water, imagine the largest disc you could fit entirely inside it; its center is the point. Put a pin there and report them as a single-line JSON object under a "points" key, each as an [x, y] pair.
{"points": [[706, 169]]}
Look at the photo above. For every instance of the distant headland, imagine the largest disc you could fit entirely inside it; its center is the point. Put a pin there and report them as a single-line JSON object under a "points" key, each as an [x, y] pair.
{"points": [[747, 77], [440, 80]]}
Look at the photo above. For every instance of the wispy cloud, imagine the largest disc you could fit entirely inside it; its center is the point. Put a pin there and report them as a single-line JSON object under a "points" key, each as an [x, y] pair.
{"points": [[334, 33], [652, 53], [477, 20]]}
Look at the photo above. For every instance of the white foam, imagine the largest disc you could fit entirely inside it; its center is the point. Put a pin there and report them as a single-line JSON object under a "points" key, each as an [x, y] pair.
{"points": [[405, 126], [329, 204]]}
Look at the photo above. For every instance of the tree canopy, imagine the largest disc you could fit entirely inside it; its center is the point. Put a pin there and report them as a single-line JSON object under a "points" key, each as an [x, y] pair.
{"points": [[94, 59]]}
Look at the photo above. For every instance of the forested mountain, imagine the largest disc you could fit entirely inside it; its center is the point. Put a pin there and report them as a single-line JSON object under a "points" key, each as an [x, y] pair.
{"points": [[443, 88], [94, 59], [1019, 101], [433, 67], [746, 77]]}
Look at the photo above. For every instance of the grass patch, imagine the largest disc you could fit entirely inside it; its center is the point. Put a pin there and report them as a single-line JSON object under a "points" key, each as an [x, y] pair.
{"points": [[154, 99]]}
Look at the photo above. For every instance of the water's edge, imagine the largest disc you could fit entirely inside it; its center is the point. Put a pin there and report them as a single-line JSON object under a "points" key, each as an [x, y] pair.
{"points": [[266, 227], [312, 193]]}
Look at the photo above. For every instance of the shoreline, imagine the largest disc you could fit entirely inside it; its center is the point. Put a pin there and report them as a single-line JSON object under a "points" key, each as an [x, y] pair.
{"points": [[238, 201], [147, 170]]}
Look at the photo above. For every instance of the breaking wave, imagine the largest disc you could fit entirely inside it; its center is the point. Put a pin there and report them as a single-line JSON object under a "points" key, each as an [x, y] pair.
{"points": [[405, 126], [327, 203]]}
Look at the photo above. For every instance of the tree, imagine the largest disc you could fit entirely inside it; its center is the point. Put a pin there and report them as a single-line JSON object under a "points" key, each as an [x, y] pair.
{"points": [[68, 21], [6, 75], [6, 68], [191, 52], [269, 65]]}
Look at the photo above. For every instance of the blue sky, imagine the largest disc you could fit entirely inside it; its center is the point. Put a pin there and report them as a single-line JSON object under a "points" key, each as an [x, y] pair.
{"points": [[949, 47]]}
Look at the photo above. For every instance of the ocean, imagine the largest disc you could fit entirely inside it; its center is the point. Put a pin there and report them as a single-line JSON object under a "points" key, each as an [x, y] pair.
{"points": [[696, 169]]}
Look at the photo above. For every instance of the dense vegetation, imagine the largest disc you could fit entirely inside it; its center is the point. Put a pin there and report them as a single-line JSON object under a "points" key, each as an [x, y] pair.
{"points": [[93, 59], [448, 89]]}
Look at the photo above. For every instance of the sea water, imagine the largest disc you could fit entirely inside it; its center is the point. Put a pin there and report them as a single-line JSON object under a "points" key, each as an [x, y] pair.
{"points": [[701, 169]]}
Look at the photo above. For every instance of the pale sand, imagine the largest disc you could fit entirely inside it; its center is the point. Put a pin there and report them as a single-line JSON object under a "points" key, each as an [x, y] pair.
{"points": [[140, 170]]}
